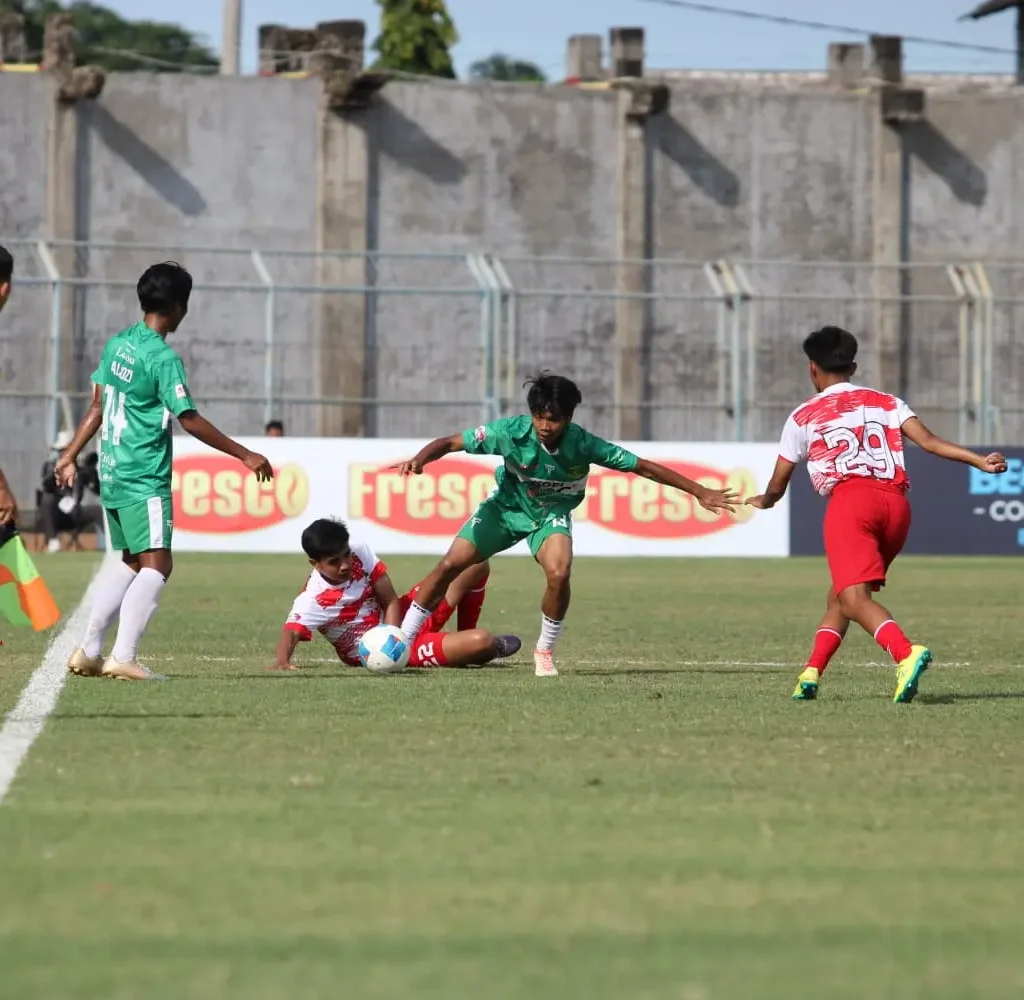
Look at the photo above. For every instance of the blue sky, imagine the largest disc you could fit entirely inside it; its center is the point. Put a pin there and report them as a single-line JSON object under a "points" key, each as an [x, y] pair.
{"points": [[537, 29]]}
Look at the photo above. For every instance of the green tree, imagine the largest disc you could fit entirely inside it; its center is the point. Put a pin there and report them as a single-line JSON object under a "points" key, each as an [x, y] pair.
{"points": [[502, 67], [416, 36], [108, 40]]}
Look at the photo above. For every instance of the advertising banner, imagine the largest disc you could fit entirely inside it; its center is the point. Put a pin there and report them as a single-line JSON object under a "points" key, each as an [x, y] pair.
{"points": [[957, 510], [220, 507]]}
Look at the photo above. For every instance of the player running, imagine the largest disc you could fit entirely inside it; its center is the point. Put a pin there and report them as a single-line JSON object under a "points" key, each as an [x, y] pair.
{"points": [[139, 384], [8, 505], [851, 438], [349, 592], [544, 478]]}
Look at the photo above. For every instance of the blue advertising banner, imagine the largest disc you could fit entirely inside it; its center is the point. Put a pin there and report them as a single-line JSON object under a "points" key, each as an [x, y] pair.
{"points": [[957, 510]]}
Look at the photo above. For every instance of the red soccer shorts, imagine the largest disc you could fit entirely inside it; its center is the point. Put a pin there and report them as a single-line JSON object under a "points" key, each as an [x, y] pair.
{"points": [[865, 529]]}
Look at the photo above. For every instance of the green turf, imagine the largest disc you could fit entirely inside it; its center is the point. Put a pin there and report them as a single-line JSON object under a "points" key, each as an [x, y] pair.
{"points": [[661, 821]]}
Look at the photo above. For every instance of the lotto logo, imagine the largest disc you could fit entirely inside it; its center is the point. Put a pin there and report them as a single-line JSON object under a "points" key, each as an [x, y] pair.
{"points": [[480, 434]]}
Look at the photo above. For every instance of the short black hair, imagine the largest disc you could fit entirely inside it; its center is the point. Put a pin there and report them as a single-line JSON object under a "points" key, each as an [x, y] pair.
{"points": [[325, 537], [832, 349], [552, 394], [274, 425], [6, 265], [164, 286]]}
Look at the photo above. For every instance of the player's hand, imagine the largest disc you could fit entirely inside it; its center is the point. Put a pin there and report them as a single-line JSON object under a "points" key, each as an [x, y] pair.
{"points": [[761, 502], [8, 505], [994, 463], [410, 468], [65, 472], [258, 464], [717, 500]]}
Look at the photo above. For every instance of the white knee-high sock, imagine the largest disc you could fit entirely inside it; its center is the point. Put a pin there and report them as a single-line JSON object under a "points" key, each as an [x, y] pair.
{"points": [[550, 630], [105, 605], [414, 620], [136, 610]]}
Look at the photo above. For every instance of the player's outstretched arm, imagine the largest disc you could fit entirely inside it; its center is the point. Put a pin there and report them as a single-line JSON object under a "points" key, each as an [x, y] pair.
{"points": [[387, 599], [437, 448], [66, 469], [916, 431], [777, 486], [709, 499], [202, 430], [285, 647]]}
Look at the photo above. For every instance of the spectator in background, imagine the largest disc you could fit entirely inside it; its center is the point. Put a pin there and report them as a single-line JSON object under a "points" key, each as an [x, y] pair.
{"points": [[274, 429], [8, 505], [62, 508]]}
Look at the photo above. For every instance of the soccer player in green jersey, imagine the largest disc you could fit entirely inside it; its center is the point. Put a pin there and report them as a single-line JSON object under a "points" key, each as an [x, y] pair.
{"points": [[8, 505], [139, 384], [544, 478]]}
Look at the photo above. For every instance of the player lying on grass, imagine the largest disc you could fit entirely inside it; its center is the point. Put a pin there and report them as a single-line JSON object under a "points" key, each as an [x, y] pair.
{"points": [[851, 438], [349, 592], [544, 478], [138, 385]]}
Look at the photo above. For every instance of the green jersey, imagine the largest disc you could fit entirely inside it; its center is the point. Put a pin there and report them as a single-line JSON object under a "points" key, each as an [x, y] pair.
{"points": [[144, 384], [537, 481]]}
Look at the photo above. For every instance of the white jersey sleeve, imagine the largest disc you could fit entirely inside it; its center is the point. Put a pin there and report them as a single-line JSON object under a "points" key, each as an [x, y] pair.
{"points": [[793, 447], [903, 412], [308, 615]]}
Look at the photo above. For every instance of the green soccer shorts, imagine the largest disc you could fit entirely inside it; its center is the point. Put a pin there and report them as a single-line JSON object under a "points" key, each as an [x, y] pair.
{"points": [[142, 526], [494, 528]]}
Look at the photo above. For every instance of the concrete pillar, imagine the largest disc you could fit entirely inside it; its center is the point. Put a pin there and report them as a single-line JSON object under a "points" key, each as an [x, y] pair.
{"points": [[627, 53], [846, 65], [584, 59], [633, 240], [344, 192], [890, 214]]}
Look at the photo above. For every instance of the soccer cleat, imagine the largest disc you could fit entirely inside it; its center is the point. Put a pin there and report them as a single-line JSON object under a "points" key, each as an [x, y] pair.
{"points": [[506, 645], [129, 671], [85, 666], [807, 685], [909, 671], [544, 663]]}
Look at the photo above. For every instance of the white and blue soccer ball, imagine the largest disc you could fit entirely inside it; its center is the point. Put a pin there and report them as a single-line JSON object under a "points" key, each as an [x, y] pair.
{"points": [[384, 650]]}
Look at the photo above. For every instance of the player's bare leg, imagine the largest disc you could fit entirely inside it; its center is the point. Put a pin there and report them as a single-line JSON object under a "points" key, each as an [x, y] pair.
{"points": [[827, 640], [857, 604], [461, 556], [475, 647], [555, 558], [137, 607]]}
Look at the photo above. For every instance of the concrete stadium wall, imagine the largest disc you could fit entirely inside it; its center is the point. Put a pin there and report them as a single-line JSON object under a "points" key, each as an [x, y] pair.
{"points": [[732, 172]]}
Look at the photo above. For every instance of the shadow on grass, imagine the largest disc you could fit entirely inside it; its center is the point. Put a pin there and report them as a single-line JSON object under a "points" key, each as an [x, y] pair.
{"points": [[952, 699], [628, 672]]}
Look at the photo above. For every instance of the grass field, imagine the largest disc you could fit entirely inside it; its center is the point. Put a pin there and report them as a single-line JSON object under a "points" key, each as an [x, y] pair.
{"points": [[661, 821]]}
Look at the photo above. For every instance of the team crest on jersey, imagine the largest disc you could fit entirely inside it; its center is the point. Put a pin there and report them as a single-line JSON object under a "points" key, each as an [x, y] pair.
{"points": [[180, 391]]}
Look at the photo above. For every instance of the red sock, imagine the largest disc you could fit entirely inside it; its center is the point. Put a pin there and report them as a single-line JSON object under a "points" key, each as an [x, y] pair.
{"points": [[891, 638], [439, 617], [471, 605], [826, 644]]}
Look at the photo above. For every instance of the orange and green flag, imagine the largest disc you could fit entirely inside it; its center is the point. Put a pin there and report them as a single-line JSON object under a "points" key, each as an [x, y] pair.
{"points": [[24, 597]]}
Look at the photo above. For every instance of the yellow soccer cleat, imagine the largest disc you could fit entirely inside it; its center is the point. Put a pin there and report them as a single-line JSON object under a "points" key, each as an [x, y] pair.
{"points": [[85, 666], [807, 685], [129, 671], [908, 673]]}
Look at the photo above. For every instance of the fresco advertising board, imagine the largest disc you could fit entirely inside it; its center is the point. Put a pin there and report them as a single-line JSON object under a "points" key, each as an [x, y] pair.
{"points": [[220, 507], [957, 510]]}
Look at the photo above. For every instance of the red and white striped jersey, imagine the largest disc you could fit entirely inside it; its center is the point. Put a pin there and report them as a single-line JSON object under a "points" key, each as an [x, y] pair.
{"points": [[849, 432], [341, 613]]}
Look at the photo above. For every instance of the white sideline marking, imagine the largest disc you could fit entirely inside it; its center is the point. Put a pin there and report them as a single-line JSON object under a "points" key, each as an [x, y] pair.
{"points": [[25, 721]]}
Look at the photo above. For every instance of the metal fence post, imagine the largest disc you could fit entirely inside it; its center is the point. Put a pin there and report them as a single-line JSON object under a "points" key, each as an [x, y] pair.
{"points": [[989, 420], [53, 376], [268, 335], [508, 297], [479, 270]]}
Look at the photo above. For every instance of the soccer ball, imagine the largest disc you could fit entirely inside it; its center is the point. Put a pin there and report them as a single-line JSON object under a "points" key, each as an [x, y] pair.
{"points": [[383, 650]]}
